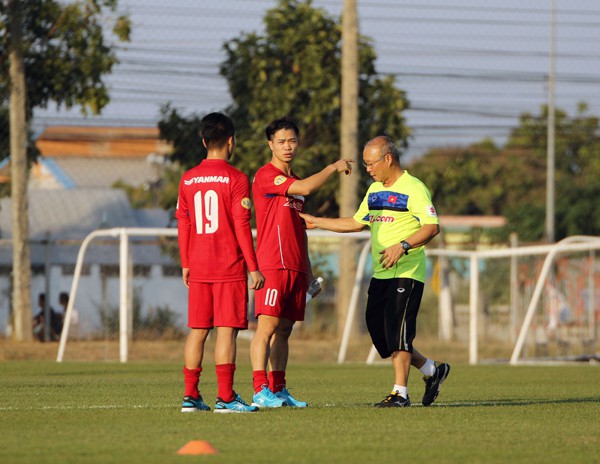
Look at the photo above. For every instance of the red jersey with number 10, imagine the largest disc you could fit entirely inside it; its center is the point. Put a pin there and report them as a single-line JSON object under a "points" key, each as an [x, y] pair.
{"points": [[213, 222], [280, 235]]}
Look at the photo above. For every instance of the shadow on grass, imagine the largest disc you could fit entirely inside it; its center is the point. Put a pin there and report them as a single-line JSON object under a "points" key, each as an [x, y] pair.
{"points": [[482, 403], [514, 402]]}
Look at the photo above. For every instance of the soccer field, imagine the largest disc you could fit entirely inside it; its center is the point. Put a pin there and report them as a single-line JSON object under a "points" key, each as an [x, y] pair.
{"points": [[100, 412]]}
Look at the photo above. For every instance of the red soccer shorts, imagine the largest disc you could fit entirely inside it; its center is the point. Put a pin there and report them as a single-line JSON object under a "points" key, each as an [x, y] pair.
{"points": [[284, 295], [218, 304]]}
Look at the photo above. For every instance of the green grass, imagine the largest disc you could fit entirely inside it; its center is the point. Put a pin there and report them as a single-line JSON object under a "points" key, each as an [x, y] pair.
{"points": [[110, 412]]}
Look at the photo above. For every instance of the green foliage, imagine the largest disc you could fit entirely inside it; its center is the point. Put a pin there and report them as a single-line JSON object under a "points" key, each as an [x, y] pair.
{"points": [[139, 197], [577, 154], [162, 193], [294, 70], [170, 188], [32, 150], [483, 179], [67, 52], [184, 136]]}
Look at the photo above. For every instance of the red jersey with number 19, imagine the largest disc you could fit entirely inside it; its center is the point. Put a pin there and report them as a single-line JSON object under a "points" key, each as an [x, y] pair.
{"points": [[213, 222], [281, 240]]}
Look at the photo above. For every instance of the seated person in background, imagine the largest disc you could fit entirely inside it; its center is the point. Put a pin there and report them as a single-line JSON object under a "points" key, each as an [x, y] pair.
{"points": [[63, 301], [56, 321]]}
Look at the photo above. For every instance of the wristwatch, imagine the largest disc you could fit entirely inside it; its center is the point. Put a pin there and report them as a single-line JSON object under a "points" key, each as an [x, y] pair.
{"points": [[406, 246]]}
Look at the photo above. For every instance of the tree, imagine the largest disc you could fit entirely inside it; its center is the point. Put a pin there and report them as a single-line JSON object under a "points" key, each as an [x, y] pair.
{"points": [[511, 180], [67, 53], [55, 52], [18, 150], [32, 150], [294, 70], [183, 134], [577, 168]]}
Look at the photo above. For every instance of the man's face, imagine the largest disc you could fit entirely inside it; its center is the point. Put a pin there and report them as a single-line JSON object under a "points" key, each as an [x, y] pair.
{"points": [[375, 164], [284, 145]]}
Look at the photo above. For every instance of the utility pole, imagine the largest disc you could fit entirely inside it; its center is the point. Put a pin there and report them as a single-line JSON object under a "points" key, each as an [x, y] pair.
{"points": [[550, 149], [349, 149], [21, 300]]}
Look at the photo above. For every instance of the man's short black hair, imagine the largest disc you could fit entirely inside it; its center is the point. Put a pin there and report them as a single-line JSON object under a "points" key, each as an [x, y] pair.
{"points": [[216, 128], [281, 123]]}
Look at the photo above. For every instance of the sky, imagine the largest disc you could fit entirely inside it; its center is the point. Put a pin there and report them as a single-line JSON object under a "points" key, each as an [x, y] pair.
{"points": [[470, 67]]}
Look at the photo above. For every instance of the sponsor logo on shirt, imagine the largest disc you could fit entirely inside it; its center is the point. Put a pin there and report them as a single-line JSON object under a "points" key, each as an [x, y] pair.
{"points": [[246, 202], [431, 210], [296, 203], [373, 218], [207, 180], [279, 180], [392, 199]]}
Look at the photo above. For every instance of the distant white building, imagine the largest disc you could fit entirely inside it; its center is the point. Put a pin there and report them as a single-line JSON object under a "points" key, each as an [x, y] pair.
{"points": [[71, 195]]}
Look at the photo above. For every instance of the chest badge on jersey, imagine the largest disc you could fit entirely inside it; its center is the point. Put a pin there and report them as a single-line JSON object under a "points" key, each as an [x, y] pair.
{"points": [[392, 199], [246, 202], [279, 180]]}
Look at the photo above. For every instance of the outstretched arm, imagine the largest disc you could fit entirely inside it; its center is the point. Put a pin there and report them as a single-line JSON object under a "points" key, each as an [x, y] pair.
{"points": [[312, 183], [343, 225]]}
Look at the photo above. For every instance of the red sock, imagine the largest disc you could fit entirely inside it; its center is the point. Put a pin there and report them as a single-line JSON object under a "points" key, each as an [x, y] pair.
{"points": [[225, 381], [276, 381], [191, 377], [259, 380]]}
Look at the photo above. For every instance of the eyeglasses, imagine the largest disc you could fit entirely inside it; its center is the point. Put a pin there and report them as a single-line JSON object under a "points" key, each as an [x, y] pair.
{"points": [[373, 163]]}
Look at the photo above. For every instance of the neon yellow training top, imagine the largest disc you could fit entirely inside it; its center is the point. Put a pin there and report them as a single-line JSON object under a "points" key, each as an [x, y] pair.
{"points": [[394, 213]]}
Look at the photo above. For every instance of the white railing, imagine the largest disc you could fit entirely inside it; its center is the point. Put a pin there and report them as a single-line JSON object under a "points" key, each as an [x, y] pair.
{"points": [[123, 234], [570, 244]]}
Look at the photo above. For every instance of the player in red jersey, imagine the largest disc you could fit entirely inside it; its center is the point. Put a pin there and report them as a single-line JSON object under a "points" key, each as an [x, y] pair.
{"points": [[282, 253], [216, 249]]}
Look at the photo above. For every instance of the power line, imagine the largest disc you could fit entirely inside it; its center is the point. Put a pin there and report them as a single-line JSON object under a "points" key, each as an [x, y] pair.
{"points": [[458, 63]]}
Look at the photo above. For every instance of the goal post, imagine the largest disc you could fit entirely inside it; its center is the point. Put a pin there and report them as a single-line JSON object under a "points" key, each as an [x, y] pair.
{"points": [[506, 296], [574, 243], [123, 234], [122, 237], [574, 246]]}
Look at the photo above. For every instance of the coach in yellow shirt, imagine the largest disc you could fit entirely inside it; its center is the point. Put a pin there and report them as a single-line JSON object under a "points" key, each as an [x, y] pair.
{"points": [[398, 209]]}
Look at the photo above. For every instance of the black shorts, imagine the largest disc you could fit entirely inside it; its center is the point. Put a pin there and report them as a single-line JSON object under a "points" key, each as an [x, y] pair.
{"points": [[391, 314]]}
